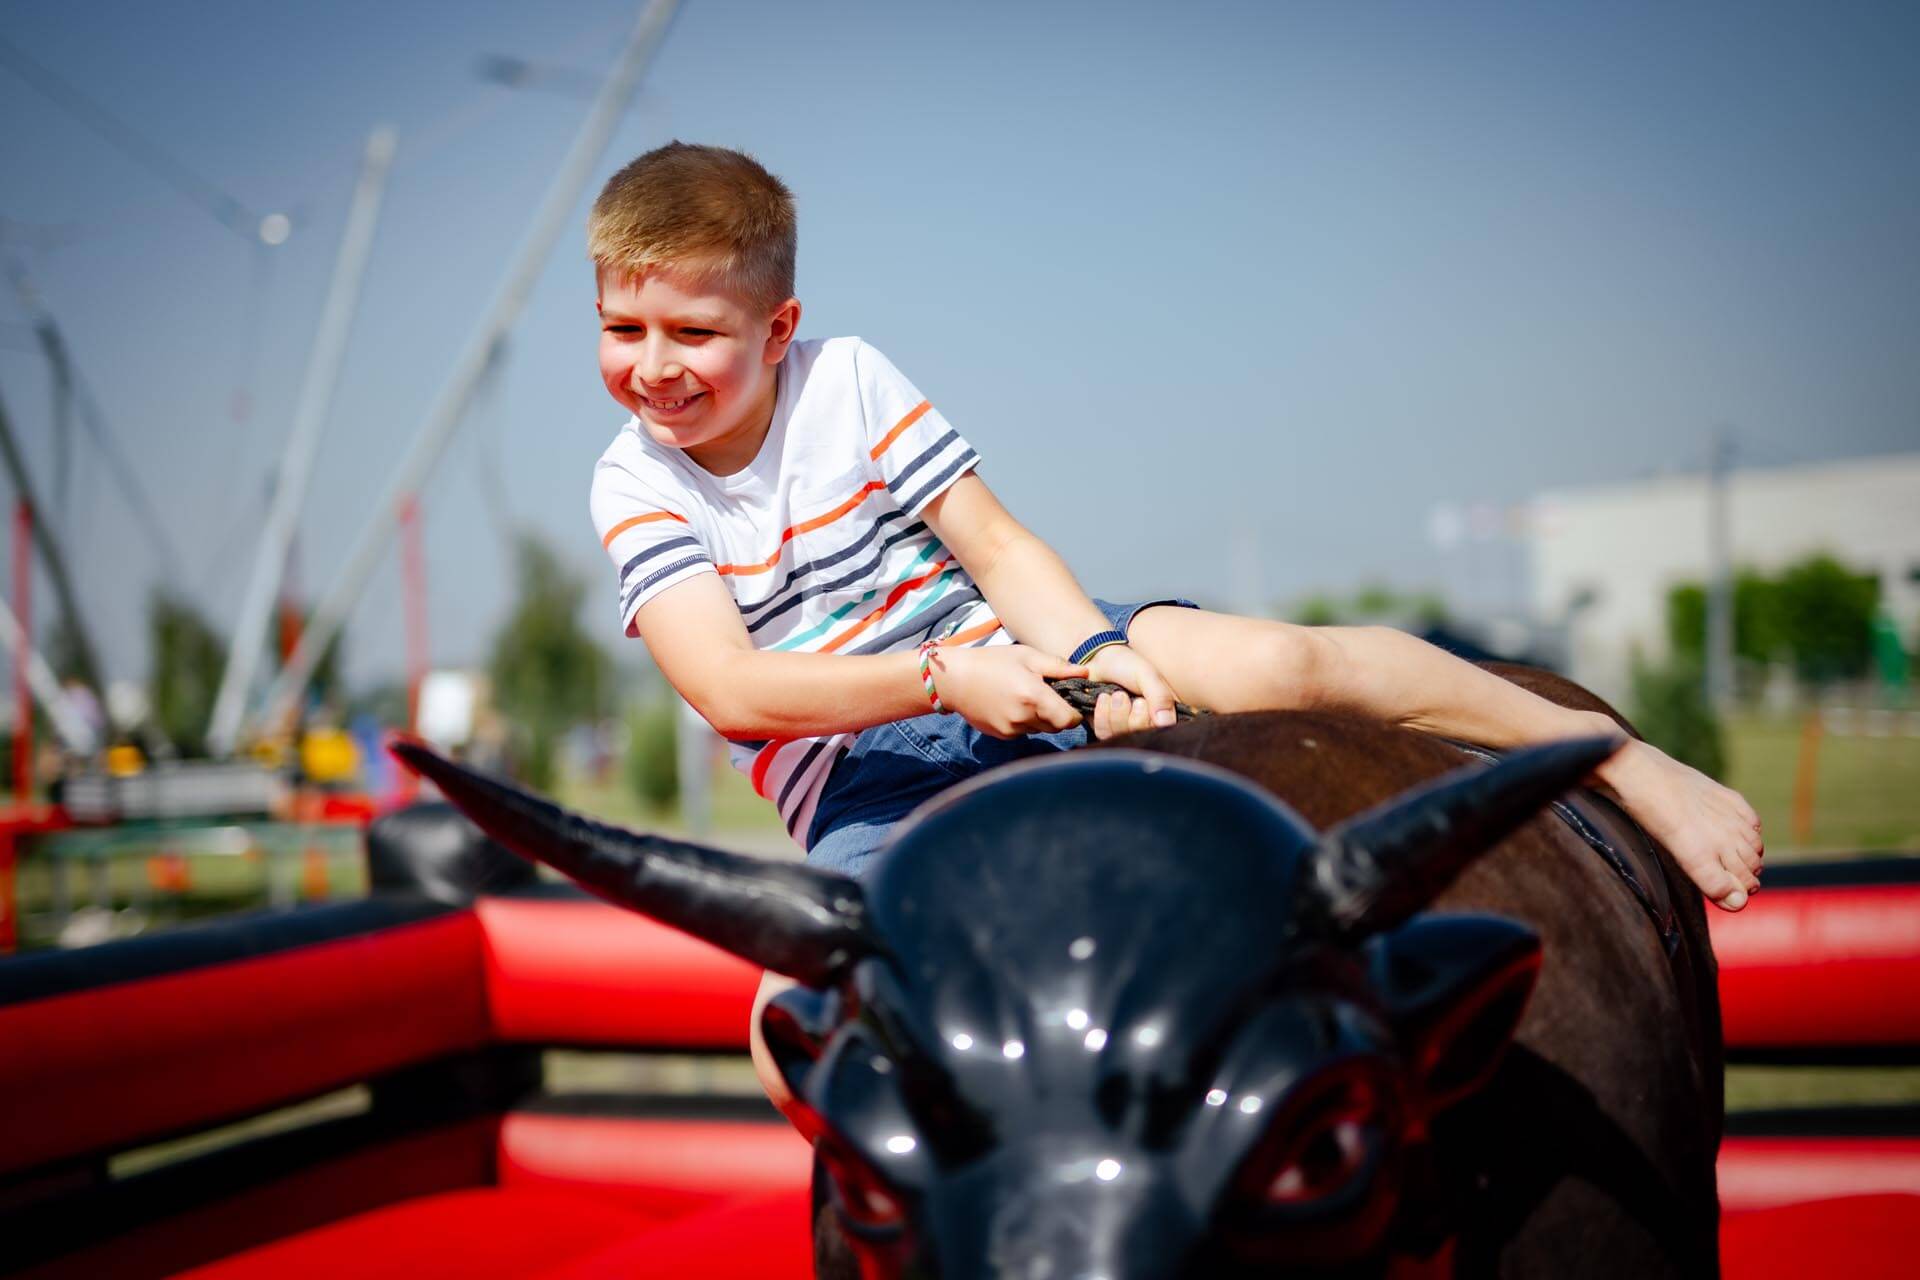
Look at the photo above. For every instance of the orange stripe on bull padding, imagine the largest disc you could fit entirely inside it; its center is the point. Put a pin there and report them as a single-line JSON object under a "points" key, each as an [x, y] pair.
{"points": [[886, 441], [893, 597], [631, 521], [805, 526]]}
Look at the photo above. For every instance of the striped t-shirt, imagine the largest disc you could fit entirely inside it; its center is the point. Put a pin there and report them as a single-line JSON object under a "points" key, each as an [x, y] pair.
{"points": [[819, 538]]}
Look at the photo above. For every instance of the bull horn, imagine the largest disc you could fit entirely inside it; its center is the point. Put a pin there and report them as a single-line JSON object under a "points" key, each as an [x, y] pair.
{"points": [[808, 924], [1379, 868]]}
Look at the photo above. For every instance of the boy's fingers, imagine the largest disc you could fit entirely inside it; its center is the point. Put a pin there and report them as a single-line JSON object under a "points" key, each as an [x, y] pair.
{"points": [[1055, 712], [1159, 696], [1052, 668], [1143, 715]]}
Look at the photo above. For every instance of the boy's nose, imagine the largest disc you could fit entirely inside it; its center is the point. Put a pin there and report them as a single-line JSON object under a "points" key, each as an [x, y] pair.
{"points": [[654, 372]]}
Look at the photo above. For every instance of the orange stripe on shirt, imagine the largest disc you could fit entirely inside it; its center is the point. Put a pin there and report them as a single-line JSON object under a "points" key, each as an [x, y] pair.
{"points": [[631, 521], [805, 526], [893, 597], [913, 416], [971, 634]]}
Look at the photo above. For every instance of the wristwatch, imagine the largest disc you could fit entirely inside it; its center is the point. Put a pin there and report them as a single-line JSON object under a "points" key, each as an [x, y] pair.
{"points": [[1094, 643]]}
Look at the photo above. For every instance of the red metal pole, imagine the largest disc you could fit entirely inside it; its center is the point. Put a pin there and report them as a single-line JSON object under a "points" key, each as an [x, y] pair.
{"points": [[22, 695], [413, 576], [22, 728]]}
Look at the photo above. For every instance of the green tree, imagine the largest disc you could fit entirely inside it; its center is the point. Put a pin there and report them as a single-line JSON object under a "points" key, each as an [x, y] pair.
{"points": [[548, 675], [1826, 618], [1816, 613], [188, 657], [1373, 602], [1668, 705]]}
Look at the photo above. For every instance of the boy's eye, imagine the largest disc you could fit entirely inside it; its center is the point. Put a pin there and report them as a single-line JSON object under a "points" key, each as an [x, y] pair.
{"points": [[698, 333], [621, 328]]}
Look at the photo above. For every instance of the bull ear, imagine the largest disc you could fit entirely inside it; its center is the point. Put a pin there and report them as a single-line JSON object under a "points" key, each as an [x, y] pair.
{"points": [[810, 925], [1381, 867], [1454, 988]]}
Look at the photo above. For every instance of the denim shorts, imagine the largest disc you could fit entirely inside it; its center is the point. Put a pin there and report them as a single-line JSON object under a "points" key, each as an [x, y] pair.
{"points": [[888, 771]]}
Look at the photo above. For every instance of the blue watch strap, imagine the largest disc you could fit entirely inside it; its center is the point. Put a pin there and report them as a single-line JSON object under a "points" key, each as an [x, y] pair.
{"points": [[1098, 640]]}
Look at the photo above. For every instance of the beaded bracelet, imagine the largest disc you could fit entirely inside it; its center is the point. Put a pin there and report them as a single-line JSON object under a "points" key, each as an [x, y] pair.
{"points": [[926, 675]]}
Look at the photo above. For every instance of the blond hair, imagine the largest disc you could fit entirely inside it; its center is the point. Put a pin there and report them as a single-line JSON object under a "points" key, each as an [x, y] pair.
{"points": [[707, 211]]}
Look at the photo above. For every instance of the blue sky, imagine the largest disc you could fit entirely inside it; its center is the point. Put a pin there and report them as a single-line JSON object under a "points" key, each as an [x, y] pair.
{"points": [[1229, 297]]}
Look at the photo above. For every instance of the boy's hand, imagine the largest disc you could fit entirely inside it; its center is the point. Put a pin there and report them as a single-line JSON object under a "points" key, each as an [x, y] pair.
{"points": [[1002, 690], [1116, 713]]}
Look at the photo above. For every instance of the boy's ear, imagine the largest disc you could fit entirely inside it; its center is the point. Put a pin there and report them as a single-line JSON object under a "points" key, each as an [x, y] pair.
{"points": [[785, 324]]}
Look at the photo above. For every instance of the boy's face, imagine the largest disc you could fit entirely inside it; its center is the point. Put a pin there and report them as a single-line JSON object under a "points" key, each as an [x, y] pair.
{"points": [[695, 363]]}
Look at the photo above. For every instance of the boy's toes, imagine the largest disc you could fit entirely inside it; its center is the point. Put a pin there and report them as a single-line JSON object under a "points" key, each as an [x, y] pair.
{"points": [[1742, 872], [1720, 885]]}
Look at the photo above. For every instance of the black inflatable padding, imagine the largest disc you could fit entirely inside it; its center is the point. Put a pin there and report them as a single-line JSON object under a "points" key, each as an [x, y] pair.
{"points": [[433, 850]]}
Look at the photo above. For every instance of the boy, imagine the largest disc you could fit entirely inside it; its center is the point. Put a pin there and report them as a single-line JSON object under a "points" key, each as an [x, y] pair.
{"points": [[808, 551]]}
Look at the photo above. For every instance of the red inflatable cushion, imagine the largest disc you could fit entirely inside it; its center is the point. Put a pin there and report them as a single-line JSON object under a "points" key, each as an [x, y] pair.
{"points": [[1859, 1237], [669, 1166], [583, 972], [480, 1234], [1764, 1173], [766, 1238], [1821, 967], [105, 1068]]}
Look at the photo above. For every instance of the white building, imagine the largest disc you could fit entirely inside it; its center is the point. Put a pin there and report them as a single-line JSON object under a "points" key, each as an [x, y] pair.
{"points": [[1622, 547]]}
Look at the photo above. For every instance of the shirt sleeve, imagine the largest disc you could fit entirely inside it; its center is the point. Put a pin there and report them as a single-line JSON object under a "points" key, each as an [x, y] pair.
{"points": [[913, 449], [647, 534]]}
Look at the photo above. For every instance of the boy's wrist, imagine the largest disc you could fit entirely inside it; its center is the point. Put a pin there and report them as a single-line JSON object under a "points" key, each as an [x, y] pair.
{"points": [[1093, 644]]}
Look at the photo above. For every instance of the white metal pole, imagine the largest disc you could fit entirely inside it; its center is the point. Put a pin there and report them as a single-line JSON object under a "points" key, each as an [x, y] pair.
{"points": [[1720, 639], [309, 416], [449, 406], [74, 731]]}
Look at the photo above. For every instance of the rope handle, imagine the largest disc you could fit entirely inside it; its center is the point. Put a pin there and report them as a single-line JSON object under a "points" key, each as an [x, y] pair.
{"points": [[1081, 695]]}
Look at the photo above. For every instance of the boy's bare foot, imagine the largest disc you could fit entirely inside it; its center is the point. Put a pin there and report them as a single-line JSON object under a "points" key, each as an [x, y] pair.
{"points": [[1711, 830]]}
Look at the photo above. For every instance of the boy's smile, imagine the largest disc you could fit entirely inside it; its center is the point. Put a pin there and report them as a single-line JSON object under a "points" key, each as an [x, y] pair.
{"points": [[694, 362]]}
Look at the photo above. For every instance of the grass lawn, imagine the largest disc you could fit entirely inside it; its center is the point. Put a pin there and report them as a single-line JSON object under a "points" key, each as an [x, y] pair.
{"points": [[741, 819], [1868, 793]]}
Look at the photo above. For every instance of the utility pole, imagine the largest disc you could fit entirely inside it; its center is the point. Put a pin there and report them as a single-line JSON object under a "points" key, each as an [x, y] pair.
{"points": [[296, 464], [450, 405], [1719, 574]]}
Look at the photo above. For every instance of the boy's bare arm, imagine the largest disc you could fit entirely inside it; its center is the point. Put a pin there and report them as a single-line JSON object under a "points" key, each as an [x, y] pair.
{"points": [[1026, 582], [695, 633], [1037, 597]]}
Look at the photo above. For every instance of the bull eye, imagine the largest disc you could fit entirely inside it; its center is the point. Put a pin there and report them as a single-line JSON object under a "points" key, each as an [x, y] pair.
{"points": [[1328, 1160], [1318, 1148]]}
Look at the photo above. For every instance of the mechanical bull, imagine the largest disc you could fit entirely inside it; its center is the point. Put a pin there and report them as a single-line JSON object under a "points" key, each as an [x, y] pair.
{"points": [[1119, 1014]]}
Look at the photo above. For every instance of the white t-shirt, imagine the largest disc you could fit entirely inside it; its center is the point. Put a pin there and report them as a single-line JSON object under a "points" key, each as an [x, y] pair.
{"points": [[819, 538]]}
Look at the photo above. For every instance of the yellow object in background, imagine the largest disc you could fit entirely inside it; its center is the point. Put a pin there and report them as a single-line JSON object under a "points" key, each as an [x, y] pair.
{"points": [[125, 760], [329, 755]]}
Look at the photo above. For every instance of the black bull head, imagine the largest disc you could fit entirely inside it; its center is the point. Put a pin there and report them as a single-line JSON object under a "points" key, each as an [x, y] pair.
{"points": [[1110, 1014]]}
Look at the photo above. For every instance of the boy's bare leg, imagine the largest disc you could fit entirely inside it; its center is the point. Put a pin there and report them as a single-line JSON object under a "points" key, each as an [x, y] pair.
{"points": [[1245, 664], [771, 985]]}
